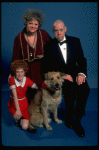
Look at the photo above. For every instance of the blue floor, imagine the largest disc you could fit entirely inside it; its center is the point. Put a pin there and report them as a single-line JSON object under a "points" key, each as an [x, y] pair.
{"points": [[59, 136]]}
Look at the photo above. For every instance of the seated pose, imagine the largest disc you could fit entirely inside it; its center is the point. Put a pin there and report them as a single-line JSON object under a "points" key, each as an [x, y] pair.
{"points": [[64, 54], [18, 104]]}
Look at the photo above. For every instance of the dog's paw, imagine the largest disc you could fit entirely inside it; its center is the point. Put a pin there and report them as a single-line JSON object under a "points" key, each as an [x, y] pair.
{"points": [[58, 121], [40, 125], [49, 120], [49, 128]]}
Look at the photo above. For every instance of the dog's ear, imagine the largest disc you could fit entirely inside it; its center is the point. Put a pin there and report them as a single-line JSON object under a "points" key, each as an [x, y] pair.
{"points": [[62, 79], [62, 74], [46, 76]]}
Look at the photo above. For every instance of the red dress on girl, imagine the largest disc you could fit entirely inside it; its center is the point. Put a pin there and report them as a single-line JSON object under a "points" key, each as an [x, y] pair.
{"points": [[21, 95], [31, 53]]}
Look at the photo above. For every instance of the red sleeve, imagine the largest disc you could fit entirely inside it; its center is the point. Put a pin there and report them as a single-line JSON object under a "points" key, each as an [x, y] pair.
{"points": [[11, 81], [29, 82]]}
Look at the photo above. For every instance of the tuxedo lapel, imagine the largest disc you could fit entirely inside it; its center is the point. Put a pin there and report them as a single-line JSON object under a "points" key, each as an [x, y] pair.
{"points": [[68, 49], [59, 54], [68, 52]]}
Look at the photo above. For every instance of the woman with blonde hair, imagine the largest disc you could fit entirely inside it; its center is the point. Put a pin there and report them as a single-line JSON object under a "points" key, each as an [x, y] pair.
{"points": [[29, 44]]}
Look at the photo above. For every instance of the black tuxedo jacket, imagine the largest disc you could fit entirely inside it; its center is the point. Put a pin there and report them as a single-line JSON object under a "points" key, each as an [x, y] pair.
{"points": [[53, 59]]}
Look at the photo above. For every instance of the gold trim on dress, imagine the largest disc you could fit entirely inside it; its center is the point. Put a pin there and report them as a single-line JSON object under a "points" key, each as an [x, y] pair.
{"points": [[34, 46], [21, 45]]}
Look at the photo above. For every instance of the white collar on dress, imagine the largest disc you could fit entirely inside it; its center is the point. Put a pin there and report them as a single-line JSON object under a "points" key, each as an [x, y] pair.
{"points": [[17, 82]]}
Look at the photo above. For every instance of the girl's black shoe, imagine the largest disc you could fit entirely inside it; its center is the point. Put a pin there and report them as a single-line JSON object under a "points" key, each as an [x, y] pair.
{"points": [[17, 123]]}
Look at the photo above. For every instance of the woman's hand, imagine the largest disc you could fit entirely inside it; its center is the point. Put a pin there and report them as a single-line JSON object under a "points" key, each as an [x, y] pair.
{"points": [[17, 115], [9, 77]]}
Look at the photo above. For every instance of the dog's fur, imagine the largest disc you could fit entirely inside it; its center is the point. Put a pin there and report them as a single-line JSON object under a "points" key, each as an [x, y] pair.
{"points": [[51, 98]]}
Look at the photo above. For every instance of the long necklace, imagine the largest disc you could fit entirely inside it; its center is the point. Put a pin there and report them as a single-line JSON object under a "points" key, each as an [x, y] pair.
{"points": [[34, 42], [32, 45]]}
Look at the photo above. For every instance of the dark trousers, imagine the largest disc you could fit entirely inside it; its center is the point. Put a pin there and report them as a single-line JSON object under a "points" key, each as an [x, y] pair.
{"points": [[75, 93]]}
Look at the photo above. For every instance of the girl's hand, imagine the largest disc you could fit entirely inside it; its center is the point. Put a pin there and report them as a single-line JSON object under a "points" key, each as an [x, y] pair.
{"points": [[17, 115]]}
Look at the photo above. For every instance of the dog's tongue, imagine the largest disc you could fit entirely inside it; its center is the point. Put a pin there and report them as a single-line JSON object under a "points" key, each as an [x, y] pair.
{"points": [[56, 88]]}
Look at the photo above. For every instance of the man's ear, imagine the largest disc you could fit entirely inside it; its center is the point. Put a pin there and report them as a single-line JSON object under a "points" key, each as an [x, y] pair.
{"points": [[53, 30]]}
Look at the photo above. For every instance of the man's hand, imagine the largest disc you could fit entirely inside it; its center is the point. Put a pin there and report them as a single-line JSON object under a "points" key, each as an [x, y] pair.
{"points": [[68, 77], [80, 79]]}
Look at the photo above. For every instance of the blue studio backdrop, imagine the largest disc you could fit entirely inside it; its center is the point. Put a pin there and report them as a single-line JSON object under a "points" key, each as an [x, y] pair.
{"points": [[81, 19]]}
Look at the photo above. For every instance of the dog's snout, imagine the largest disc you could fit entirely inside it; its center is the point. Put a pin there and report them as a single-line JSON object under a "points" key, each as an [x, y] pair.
{"points": [[56, 85]]}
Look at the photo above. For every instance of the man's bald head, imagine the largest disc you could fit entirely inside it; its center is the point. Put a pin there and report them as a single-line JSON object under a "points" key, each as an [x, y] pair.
{"points": [[59, 29], [57, 22]]}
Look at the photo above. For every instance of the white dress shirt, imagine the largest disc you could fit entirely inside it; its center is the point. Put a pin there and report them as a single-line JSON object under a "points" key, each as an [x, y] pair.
{"points": [[63, 49]]}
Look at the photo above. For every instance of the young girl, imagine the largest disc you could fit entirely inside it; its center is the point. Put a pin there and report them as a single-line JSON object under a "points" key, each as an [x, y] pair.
{"points": [[18, 104]]}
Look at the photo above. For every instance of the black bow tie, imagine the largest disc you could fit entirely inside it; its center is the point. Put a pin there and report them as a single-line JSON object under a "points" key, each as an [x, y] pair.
{"points": [[65, 41]]}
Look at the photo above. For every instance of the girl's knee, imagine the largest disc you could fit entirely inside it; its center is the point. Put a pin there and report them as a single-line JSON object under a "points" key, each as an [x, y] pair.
{"points": [[24, 124]]}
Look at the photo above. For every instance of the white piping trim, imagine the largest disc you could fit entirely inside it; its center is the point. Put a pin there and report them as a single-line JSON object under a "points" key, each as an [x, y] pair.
{"points": [[19, 99]]}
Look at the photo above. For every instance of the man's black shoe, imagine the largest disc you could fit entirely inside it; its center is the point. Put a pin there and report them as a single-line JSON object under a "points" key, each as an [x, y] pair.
{"points": [[77, 127]]}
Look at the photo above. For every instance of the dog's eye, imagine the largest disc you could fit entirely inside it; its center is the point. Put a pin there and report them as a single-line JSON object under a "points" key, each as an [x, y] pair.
{"points": [[51, 78], [58, 77]]}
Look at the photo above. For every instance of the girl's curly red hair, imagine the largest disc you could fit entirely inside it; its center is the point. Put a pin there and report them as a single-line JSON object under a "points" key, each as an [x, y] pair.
{"points": [[18, 64]]}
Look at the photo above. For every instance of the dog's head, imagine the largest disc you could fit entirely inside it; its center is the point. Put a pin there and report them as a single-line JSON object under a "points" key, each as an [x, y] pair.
{"points": [[53, 80]]}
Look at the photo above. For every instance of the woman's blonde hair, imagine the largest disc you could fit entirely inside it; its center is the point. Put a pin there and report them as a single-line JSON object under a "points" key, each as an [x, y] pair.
{"points": [[31, 14]]}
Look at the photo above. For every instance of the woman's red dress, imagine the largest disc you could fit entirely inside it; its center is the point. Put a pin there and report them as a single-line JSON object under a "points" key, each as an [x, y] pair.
{"points": [[23, 50]]}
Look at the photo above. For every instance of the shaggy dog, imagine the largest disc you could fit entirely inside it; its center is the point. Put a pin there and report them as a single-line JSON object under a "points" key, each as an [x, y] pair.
{"points": [[36, 118], [51, 98]]}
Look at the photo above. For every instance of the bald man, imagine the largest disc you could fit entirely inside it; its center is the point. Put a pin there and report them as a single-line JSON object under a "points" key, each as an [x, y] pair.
{"points": [[64, 54]]}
